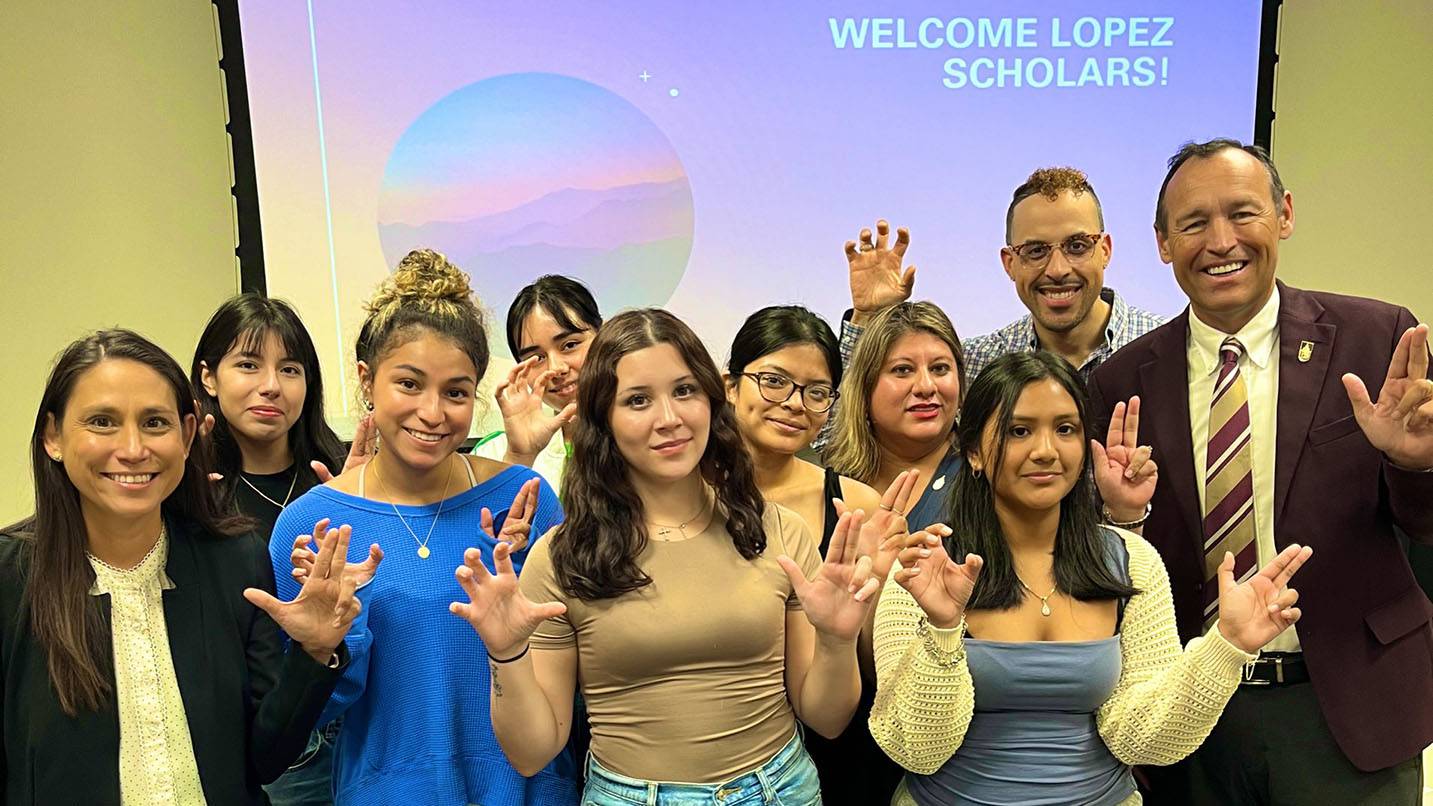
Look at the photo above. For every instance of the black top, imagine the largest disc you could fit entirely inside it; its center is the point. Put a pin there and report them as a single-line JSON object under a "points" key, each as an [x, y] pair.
{"points": [[274, 485], [832, 491], [250, 706], [852, 767]]}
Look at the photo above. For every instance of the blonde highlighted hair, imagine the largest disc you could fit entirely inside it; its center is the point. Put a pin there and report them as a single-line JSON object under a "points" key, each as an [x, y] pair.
{"points": [[853, 450], [425, 292]]}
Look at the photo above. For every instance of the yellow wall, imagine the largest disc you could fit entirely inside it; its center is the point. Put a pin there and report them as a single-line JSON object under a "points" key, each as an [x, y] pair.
{"points": [[1352, 140], [114, 190], [114, 174]]}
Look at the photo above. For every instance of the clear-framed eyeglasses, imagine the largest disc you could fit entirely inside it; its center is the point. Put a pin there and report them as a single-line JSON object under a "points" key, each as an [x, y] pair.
{"points": [[1076, 248], [777, 388]]}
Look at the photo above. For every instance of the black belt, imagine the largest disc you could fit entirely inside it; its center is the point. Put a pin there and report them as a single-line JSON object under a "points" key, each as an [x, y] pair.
{"points": [[1275, 669]]}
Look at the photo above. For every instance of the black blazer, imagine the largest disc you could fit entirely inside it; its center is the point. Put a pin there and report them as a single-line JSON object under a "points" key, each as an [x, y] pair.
{"points": [[250, 706]]}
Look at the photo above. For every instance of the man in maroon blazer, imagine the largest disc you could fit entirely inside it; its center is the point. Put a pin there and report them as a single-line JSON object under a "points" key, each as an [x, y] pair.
{"points": [[1323, 417]]}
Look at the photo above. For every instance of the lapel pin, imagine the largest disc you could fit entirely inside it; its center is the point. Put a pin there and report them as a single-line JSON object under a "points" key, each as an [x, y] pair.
{"points": [[1306, 351]]}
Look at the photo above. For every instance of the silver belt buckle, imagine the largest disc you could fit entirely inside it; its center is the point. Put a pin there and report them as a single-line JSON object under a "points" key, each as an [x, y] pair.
{"points": [[1279, 668], [1247, 673]]}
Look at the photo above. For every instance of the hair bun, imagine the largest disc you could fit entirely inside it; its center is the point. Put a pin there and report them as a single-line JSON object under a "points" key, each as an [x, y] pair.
{"points": [[426, 280]]}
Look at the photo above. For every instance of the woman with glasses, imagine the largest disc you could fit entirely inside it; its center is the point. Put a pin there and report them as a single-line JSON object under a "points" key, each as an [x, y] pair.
{"points": [[781, 380]]}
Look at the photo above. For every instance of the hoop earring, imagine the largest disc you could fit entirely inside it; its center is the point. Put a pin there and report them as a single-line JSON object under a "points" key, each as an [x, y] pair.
{"points": [[368, 404], [975, 472]]}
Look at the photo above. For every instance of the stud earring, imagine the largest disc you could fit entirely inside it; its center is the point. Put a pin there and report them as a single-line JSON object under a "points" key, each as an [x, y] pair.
{"points": [[58, 456]]}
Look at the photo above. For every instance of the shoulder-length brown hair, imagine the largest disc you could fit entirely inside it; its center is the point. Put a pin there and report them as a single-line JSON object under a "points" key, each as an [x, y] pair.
{"points": [[67, 621], [853, 450], [595, 550]]}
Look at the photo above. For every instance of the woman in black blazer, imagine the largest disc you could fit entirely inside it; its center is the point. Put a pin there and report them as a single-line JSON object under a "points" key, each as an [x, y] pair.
{"points": [[118, 492]]}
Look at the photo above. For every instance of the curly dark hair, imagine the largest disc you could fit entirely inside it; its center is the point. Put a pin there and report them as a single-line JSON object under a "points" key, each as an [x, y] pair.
{"points": [[595, 550]]}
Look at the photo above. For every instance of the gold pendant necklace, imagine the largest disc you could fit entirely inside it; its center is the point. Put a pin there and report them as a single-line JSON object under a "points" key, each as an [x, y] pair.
{"points": [[1044, 600], [664, 529], [294, 481], [423, 551]]}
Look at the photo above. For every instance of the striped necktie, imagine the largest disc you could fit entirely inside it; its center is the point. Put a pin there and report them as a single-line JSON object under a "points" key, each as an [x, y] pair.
{"points": [[1228, 480]]}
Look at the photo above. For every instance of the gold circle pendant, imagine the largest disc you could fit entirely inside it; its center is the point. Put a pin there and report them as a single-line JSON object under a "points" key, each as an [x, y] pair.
{"points": [[423, 552]]}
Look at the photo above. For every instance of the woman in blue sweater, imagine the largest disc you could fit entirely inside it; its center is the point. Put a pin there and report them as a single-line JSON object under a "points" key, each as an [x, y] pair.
{"points": [[416, 725]]}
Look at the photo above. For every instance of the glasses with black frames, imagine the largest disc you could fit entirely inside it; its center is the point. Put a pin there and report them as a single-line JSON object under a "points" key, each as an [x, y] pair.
{"points": [[777, 388]]}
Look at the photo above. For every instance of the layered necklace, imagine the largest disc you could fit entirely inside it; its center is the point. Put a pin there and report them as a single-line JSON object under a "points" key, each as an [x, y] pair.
{"points": [[664, 531], [260, 493], [423, 551]]}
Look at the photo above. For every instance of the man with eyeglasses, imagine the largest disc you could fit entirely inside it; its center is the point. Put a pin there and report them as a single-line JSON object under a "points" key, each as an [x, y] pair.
{"points": [[1056, 253]]}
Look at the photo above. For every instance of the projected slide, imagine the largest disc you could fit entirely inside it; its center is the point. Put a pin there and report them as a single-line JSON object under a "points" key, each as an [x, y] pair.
{"points": [[713, 158]]}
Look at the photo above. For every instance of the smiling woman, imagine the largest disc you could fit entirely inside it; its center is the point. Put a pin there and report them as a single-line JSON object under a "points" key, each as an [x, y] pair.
{"points": [[422, 351], [139, 655]]}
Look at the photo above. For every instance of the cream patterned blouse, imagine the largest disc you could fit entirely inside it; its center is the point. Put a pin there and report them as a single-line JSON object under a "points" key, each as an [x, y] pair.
{"points": [[156, 756]]}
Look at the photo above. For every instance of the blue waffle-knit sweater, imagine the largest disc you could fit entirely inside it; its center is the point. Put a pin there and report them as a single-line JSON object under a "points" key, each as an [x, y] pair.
{"points": [[414, 700]]}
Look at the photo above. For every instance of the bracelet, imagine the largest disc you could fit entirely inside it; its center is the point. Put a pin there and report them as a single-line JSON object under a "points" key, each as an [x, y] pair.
{"points": [[941, 657], [516, 657], [1134, 524]]}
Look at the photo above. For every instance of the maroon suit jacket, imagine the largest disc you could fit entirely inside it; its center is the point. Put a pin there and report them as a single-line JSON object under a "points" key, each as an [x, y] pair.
{"points": [[1367, 628]]}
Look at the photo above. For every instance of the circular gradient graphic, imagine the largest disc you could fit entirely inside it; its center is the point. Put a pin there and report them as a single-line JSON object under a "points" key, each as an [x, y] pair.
{"points": [[521, 175]]}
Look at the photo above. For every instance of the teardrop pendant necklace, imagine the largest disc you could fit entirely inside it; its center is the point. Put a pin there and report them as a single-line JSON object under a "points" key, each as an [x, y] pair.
{"points": [[423, 551], [1044, 600]]}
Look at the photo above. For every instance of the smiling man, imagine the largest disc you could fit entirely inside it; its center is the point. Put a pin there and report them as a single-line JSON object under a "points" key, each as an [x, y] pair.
{"points": [[1279, 415]]}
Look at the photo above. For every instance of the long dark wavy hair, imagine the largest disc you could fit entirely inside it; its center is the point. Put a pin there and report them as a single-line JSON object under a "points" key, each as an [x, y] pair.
{"points": [[243, 323], [67, 621], [1081, 569], [595, 550]]}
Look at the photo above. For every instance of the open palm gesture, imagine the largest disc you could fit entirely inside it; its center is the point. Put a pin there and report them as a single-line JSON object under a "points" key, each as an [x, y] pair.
{"points": [[319, 617], [502, 616], [1124, 472], [882, 532], [941, 586], [1253, 613], [877, 280], [1401, 423], [528, 426], [839, 597]]}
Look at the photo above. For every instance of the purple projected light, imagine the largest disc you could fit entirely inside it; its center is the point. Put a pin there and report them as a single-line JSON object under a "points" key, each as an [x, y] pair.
{"points": [[526, 174]]}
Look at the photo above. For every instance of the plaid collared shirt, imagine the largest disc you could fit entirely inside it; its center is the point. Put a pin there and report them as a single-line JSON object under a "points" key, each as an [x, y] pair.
{"points": [[1126, 324]]}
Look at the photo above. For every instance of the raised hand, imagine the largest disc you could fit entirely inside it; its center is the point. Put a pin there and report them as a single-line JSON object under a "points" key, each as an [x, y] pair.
{"points": [[319, 617], [303, 555], [502, 616], [939, 585], [1124, 471], [1253, 613], [877, 280], [364, 446], [517, 526], [527, 425], [1401, 423], [883, 531], [837, 600]]}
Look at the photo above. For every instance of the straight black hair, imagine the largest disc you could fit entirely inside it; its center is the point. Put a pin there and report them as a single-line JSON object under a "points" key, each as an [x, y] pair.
{"points": [[563, 298], [243, 323], [778, 326], [1081, 568]]}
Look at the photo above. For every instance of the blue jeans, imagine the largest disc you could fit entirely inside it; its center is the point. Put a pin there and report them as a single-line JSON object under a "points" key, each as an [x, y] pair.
{"points": [[309, 781], [788, 779]]}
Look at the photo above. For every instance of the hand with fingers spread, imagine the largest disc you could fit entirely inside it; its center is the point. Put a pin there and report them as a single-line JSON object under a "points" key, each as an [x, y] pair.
{"points": [[839, 597], [941, 586], [877, 280], [1253, 613], [319, 617], [502, 616], [517, 526], [304, 554], [365, 445], [883, 530], [1124, 472], [528, 426], [1400, 423]]}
